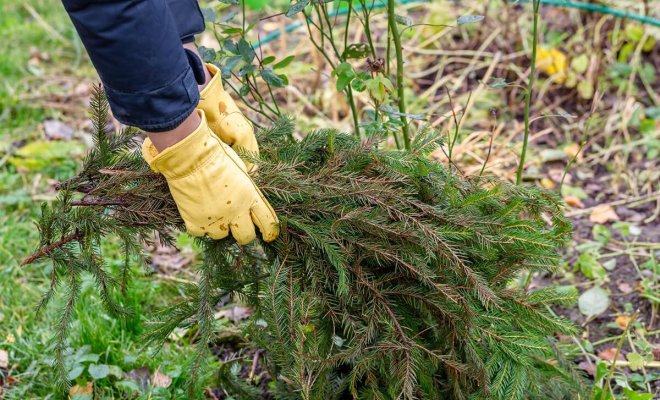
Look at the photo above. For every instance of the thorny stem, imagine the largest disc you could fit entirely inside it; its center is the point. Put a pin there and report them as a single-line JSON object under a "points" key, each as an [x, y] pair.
{"points": [[323, 14], [391, 20], [324, 53], [528, 93], [255, 93], [261, 65], [490, 148], [528, 102], [603, 393], [348, 23], [259, 110], [367, 29], [354, 111]]}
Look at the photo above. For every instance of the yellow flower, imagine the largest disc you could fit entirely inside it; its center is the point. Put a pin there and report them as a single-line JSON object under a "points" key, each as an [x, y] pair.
{"points": [[553, 62]]}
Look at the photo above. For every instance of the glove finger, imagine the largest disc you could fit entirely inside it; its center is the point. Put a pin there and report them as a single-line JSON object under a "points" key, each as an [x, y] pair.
{"points": [[218, 231], [246, 143], [195, 230], [265, 219], [234, 157], [242, 229], [247, 147]]}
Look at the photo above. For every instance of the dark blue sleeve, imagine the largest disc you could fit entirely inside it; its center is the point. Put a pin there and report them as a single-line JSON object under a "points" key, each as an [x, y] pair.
{"points": [[188, 18], [135, 46]]}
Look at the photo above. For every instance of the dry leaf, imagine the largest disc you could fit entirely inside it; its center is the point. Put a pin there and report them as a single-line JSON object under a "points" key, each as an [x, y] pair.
{"points": [[82, 89], [57, 130], [78, 390], [573, 201], [140, 376], [4, 359], [622, 321], [603, 213], [553, 62], [547, 183], [6, 381], [556, 174], [572, 150], [166, 258], [587, 367], [159, 379], [625, 288], [608, 354], [656, 353], [235, 313]]}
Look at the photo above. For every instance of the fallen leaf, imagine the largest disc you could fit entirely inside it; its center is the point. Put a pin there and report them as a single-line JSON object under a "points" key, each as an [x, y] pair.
{"points": [[82, 89], [235, 313], [580, 63], [78, 390], [573, 201], [553, 62], [625, 288], [557, 174], [622, 321], [547, 183], [603, 213], [549, 155], [610, 264], [4, 359], [167, 258], [587, 367], [608, 354], [5, 381], [585, 90], [57, 130], [158, 379], [572, 150], [594, 301], [139, 376], [567, 190], [656, 353]]}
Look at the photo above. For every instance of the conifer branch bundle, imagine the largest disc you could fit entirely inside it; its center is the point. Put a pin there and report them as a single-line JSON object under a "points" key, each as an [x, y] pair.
{"points": [[391, 278]]}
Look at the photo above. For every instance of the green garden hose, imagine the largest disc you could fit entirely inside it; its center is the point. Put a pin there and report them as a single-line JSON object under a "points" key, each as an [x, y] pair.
{"points": [[556, 3], [341, 11], [602, 10]]}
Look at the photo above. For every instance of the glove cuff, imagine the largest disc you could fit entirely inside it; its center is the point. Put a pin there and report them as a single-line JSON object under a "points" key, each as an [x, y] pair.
{"points": [[185, 157], [213, 86]]}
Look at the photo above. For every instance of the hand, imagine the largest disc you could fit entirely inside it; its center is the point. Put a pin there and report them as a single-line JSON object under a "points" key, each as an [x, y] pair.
{"points": [[211, 187]]}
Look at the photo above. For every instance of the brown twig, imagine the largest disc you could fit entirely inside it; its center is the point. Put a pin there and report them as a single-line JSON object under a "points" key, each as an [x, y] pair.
{"points": [[98, 202], [48, 249]]}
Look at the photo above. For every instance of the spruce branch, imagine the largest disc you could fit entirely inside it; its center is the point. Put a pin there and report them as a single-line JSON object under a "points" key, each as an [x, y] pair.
{"points": [[390, 277], [46, 250]]}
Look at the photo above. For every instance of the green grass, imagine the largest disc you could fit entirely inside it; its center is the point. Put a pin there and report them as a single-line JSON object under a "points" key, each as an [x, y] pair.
{"points": [[95, 336]]}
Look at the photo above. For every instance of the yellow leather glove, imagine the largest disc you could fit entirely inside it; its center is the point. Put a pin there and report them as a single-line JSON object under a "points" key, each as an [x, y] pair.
{"points": [[211, 187], [224, 117]]}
